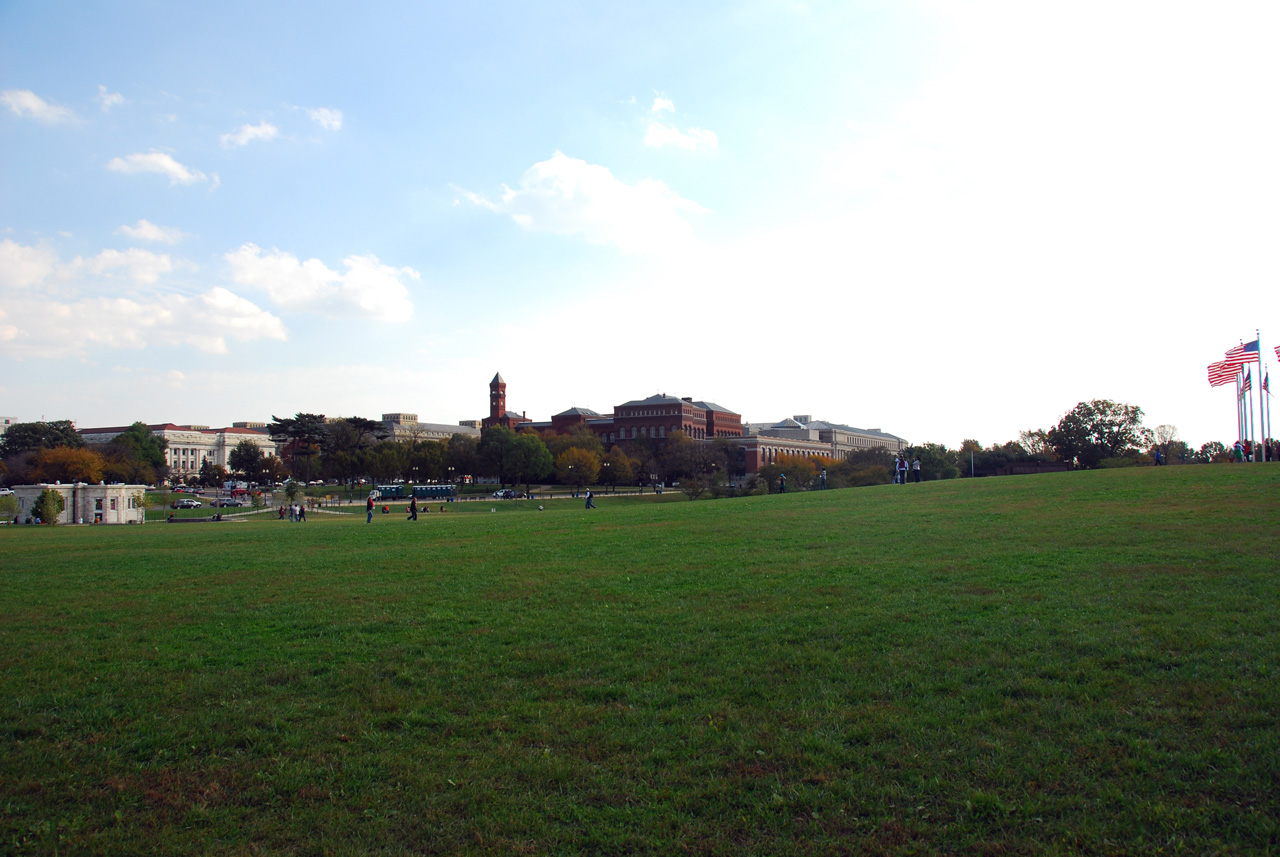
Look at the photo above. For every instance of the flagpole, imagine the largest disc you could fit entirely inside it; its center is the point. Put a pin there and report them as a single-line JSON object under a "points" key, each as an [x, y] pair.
{"points": [[1239, 414], [1249, 426], [1261, 403]]}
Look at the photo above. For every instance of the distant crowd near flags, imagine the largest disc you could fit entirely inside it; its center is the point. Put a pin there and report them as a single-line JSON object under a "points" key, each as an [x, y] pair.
{"points": [[1235, 367]]}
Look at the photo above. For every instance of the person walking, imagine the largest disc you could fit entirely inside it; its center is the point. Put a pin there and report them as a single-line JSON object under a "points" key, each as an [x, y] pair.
{"points": [[368, 507], [413, 509], [915, 468], [782, 483], [590, 502], [302, 514]]}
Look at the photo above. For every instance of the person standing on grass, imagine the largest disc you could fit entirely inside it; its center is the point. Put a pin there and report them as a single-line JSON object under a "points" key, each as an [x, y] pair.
{"points": [[915, 468], [590, 503], [368, 507], [413, 509], [782, 483], [902, 469], [302, 514], [822, 481]]}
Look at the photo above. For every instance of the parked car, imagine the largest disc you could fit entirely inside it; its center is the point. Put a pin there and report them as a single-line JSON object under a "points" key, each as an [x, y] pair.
{"points": [[185, 503]]}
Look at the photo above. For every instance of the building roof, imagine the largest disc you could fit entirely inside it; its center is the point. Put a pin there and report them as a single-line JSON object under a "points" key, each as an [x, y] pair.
{"points": [[497, 378], [712, 406], [823, 425], [659, 399], [155, 427], [577, 412]]}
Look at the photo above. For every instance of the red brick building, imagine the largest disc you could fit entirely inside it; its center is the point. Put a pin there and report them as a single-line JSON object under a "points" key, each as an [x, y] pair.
{"points": [[498, 413]]}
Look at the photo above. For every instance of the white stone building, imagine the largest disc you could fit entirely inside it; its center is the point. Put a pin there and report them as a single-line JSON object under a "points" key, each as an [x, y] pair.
{"points": [[87, 504], [190, 446]]}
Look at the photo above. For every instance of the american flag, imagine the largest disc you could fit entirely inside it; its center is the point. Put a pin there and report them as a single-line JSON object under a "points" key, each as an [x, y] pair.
{"points": [[1248, 383], [1221, 373], [1242, 354]]}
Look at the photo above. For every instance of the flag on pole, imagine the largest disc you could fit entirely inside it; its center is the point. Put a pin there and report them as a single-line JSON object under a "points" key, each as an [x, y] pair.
{"points": [[1278, 352], [1266, 382], [1221, 373], [1248, 383], [1242, 354]]}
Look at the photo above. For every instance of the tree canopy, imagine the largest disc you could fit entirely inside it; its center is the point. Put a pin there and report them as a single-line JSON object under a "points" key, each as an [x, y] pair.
{"points": [[1098, 429], [30, 437]]}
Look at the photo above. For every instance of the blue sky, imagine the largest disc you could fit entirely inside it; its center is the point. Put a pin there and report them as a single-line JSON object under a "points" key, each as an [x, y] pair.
{"points": [[945, 220]]}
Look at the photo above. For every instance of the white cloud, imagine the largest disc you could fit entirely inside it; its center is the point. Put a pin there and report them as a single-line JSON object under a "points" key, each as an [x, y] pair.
{"points": [[568, 196], [660, 134], [145, 230], [140, 266], [667, 135], [368, 289], [25, 103], [22, 267], [157, 162], [246, 134], [108, 99], [328, 118], [54, 309]]}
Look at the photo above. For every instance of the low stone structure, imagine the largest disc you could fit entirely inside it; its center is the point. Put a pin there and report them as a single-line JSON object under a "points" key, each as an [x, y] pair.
{"points": [[84, 503]]}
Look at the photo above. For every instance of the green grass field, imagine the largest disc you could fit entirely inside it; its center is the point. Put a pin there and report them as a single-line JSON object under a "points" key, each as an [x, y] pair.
{"points": [[1059, 664]]}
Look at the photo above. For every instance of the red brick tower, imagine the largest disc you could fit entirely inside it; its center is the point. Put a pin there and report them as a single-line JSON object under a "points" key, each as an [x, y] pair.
{"points": [[497, 401]]}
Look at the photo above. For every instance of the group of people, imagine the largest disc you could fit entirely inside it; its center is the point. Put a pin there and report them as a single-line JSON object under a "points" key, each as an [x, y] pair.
{"points": [[297, 512], [901, 466]]}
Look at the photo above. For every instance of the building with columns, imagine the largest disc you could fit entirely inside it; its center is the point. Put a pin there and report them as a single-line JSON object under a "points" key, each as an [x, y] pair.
{"points": [[190, 446]]}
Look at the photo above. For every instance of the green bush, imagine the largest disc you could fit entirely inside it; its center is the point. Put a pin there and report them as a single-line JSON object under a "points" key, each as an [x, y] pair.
{"points": [[49, 506]]}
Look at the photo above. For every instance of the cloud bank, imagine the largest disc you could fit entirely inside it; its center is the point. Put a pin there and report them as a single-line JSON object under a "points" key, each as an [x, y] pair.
{"points": [[53, 309], [568, 196], [368, 288]]}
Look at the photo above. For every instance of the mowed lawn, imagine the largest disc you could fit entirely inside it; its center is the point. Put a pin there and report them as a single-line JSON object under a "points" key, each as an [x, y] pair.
{"points": [[1057, 664]]}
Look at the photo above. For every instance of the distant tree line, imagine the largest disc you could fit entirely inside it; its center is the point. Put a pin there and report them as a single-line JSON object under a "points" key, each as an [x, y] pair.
{"points": [[1097, 433]]}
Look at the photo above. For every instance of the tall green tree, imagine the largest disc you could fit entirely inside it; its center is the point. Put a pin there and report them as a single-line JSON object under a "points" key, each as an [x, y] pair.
{"points": [[461, 458], [212, 475], [1098, 429], [351, 433], [245, 459], [577, 467], [32, 437], [936, 461], [528, 459], [580, 438], [49, 506], [146, 446], [304, 436], [617, 468], [492, 452], [426, 461]]}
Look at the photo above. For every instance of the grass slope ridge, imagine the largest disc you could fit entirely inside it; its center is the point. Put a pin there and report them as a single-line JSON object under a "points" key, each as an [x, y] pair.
{"points": [[1077, 662]]}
